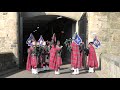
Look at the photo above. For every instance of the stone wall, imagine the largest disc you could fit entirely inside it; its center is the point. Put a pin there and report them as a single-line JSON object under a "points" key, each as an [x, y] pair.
{"points": [[8, 40], [110, 66], [106, 25]]}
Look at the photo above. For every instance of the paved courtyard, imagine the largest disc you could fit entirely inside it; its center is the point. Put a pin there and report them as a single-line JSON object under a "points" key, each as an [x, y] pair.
{"points": [[65, 73]]}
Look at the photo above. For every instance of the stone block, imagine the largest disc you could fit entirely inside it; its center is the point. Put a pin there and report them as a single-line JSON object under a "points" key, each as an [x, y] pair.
{"points": [[13, 45], [8, 38]]}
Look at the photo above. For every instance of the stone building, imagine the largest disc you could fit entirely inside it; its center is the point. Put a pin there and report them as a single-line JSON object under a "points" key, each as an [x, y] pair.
{"points": [[15, 26]]}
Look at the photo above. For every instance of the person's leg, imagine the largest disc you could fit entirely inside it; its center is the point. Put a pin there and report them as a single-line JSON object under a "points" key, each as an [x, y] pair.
{"points": [[91, 69], [75, 71], [33, 70], [57, 71], [44, 68], [44, 64], [47, 66], [34, 64], [39, 64]]}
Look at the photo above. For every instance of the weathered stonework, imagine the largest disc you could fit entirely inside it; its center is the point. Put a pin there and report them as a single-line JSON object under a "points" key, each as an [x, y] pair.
{"points": [[8, 40], [106, 25], [110, 66]]}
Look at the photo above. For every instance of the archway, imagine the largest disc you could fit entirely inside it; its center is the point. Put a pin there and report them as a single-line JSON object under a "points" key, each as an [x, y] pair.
{"points": [[48, 24]]}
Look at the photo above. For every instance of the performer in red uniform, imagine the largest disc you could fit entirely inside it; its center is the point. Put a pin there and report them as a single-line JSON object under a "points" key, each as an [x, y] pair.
{"points": [[32, 59], [92, 59], [55, 58], [76, 62], [59, 59]]}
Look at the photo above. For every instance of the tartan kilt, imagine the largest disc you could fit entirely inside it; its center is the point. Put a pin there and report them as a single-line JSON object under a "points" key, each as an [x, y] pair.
{"points": [[92, 59], [52, 62], [59, 61], [34, 61], [28, 64], [53, 59], [55, 63], [76, 61]]}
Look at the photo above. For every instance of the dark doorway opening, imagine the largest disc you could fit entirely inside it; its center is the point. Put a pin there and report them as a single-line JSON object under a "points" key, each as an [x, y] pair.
{"points": [[83, 32], [48, 24]]}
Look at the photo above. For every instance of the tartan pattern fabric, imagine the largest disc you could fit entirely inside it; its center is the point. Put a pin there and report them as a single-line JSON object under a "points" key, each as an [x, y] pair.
{"points": [[53, 58], [59, 59], [34, 61], [92, 59], [55, 61], [76, 62], [31, 60], [28, 64]]}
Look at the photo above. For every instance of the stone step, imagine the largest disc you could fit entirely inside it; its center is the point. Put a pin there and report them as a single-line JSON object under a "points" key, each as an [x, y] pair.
{"points": [[9, 71]]}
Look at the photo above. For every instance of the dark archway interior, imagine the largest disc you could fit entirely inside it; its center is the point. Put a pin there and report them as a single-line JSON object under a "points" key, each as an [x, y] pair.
{"points": [[83, 32], [48, 24], [83, 28]]}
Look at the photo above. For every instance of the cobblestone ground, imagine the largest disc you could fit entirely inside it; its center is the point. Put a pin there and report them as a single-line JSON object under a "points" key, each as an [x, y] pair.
{"points": [[65, 73]]}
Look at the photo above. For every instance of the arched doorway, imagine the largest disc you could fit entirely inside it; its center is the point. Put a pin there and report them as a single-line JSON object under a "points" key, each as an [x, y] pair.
{"points": [[48, 24]]}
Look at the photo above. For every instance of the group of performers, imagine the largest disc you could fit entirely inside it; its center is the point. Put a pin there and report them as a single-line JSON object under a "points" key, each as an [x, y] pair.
{"points": [[47, 56], [77, 52], [38, 57], [44, 55]]}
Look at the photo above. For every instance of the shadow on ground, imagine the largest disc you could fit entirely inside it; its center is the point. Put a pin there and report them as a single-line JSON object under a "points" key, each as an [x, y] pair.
{"points": [[65, 72], [10, 73], [84, 72]]}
